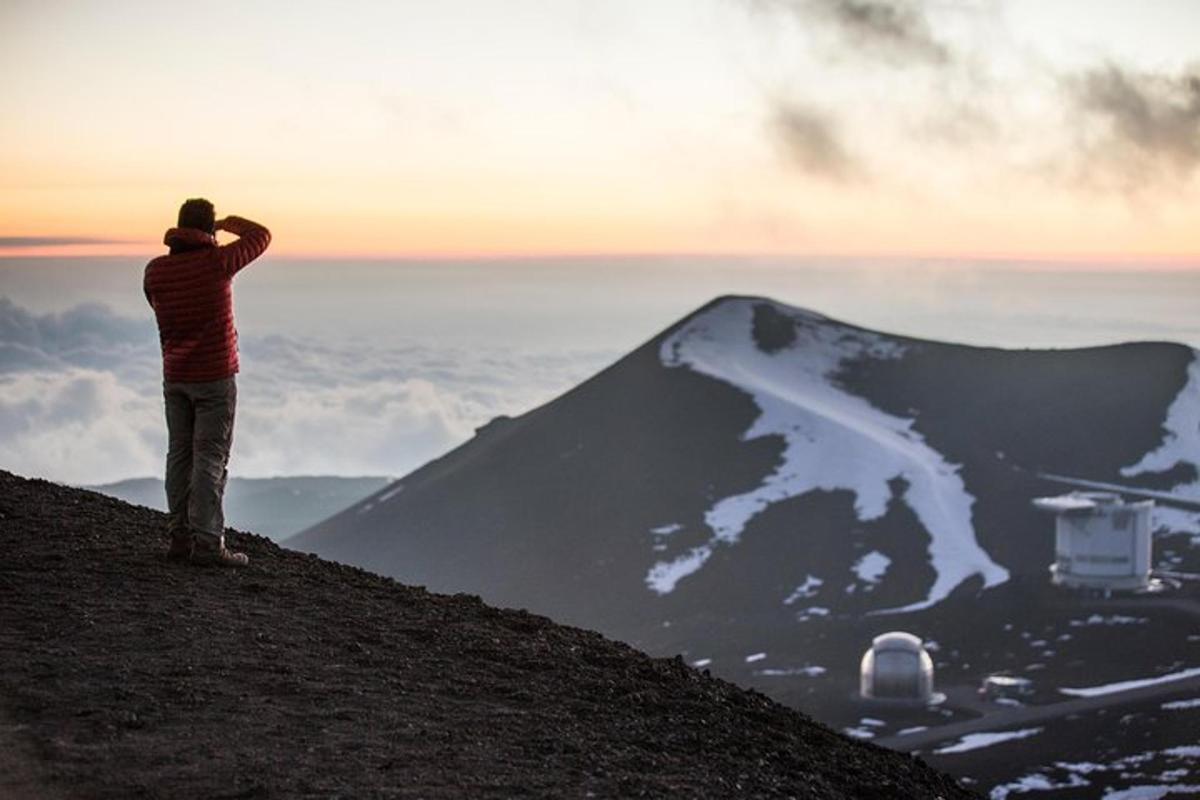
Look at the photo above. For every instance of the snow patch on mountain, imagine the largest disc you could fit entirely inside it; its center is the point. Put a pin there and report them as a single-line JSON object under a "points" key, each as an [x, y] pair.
{"points": [[1148, 775], [390, 493], [975, 741], [1179, 705], [833, 439], [1037, 782], [810, 612], [807, 589], [1154, 791], [1112, 619], [812, 671], [665, 574], [870, 568], [1124, 686], [1181, 444]]}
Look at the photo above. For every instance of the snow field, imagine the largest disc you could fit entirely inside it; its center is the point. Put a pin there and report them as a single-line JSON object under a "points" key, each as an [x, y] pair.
{"points": [[833, 440], [1181, 443]]}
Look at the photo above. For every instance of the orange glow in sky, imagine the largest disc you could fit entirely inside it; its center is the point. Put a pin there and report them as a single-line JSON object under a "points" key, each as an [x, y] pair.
{"points": [[488, 127]]}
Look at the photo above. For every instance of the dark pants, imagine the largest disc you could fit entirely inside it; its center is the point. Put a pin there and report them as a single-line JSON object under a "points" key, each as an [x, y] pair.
{"points": [[200, 433]]}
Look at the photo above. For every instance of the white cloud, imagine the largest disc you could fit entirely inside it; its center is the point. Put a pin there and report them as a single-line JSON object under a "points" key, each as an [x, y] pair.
{"points": [[368, 427], [81, 398], [78, 426]]}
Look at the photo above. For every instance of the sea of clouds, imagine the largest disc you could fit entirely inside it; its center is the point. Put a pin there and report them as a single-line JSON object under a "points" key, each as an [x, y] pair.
{"points": [[375, 368], [81, 397]]}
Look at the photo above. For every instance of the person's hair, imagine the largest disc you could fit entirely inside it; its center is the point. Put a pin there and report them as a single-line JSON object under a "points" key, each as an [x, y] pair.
{"points": [[197, 213]]}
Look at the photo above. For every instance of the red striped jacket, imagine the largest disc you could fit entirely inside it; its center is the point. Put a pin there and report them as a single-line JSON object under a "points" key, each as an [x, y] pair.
{"points": [[191, 293]]}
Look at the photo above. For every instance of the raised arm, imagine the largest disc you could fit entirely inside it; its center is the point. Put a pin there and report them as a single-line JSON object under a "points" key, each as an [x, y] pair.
{"points": [[252, 241]]}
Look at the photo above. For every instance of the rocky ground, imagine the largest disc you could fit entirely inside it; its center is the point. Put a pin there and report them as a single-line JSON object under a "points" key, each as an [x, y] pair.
{"points": [[125, 676]]}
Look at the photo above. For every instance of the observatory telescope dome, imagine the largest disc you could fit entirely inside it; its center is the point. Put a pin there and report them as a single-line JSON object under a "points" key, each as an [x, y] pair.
{"points": [[897, 669], [1100, 541]]}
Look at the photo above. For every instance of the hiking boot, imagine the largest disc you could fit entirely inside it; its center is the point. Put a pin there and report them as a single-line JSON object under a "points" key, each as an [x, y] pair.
{"points": [[213, 553], [181, 547]]}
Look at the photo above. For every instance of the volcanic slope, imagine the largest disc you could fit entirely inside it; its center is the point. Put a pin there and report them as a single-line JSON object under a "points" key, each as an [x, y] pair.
{"points": [[128, 676], [756, 466]]}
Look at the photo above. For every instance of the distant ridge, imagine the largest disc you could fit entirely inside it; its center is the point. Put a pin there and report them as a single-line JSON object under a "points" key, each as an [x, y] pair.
{"points": [[274, 507], [126, 676]]}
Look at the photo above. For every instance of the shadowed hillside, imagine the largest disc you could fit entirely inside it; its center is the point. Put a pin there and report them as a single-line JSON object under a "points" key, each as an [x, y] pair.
{"points": [[126, 676]]}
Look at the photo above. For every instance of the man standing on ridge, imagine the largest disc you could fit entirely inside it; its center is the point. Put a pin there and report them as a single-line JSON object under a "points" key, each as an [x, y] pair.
{"points": [[191, 292]]}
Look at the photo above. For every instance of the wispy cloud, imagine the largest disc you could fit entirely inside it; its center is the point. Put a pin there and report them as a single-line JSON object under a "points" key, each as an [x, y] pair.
{"points": [[1109, 128], [810, 140], [894, 31], [889, 32], [13, 242], [1140, 128]]}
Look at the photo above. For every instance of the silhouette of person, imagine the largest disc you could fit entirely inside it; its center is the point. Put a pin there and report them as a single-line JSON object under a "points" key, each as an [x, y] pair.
{"points": [[191, 291]]}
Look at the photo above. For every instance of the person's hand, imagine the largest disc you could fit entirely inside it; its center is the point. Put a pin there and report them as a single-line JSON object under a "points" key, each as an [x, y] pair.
{"points": [[219, 225]]}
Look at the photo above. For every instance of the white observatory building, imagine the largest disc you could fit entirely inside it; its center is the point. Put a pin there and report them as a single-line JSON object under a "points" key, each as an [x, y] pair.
{"points": [[1101, 542], [898, 670]]}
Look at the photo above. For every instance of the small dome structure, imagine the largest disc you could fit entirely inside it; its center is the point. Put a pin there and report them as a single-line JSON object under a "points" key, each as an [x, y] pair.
{"points": [[897, 669]]}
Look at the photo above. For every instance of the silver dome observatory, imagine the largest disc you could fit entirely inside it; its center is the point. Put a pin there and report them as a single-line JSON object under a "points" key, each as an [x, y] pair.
{"points": [[898, 670]]}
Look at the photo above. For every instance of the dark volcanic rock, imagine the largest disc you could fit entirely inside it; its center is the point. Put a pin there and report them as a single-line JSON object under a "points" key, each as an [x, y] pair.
{"points": [[773, 330], [128, 676]]}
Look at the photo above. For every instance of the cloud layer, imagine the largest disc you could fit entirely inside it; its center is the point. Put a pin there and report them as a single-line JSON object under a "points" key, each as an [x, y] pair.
{"points": [[53, 241], [1109, 125], [1141, 127], [894, 31], [80, 398]]}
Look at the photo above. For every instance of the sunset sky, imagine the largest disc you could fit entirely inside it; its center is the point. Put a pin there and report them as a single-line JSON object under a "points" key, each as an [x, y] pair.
{"points": [[948, 128]]}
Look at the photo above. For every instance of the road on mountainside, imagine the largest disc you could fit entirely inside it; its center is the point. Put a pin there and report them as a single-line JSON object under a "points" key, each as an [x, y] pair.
{"points": [[1011, 716]]}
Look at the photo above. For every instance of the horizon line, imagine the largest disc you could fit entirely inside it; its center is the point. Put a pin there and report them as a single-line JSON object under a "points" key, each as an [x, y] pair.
{"points": [[1065, 259]]}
